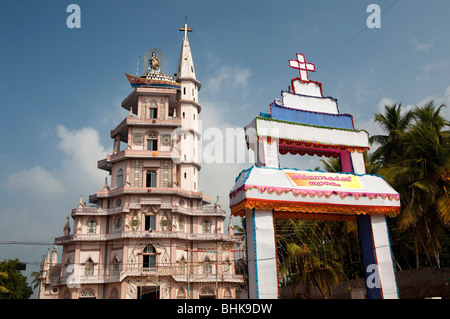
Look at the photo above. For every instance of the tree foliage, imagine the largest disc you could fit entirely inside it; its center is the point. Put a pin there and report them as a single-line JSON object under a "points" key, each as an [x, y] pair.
{"points": [[13, 285], [418, 168]]}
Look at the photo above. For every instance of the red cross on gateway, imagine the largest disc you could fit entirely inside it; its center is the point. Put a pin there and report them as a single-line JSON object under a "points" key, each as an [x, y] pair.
{"points": [[302, 66]]}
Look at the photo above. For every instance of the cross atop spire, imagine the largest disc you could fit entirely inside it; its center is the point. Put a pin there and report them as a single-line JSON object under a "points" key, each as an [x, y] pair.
{"points": [[302, 66], [185, 28]]}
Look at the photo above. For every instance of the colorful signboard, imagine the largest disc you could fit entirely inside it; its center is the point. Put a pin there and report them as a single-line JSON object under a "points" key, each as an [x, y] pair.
{"points": [[319, 179]]}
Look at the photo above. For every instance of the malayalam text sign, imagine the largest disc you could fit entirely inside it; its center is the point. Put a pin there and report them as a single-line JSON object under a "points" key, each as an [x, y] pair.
{"points": [[303, 179]]}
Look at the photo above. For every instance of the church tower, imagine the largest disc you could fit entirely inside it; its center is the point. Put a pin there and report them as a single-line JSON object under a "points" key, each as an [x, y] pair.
{"points": [[150, 232], [188, 108]]}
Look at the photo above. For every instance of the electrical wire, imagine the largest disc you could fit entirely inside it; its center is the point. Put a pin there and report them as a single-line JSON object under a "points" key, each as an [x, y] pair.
{"points": [[18, 242], [354, 37]]}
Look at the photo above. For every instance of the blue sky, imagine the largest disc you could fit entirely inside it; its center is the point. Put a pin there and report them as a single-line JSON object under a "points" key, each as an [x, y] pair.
{"points": [[61, 88]]}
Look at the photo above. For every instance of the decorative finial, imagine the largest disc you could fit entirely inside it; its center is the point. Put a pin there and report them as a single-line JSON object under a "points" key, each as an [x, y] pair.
{"points": [[80, 203], [217, 203], [230, 227], [106, 187], [66, 226], [302, 66]]}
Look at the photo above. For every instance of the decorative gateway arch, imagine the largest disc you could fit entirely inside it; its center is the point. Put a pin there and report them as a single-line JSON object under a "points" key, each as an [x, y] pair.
{"points": [[306, 122]]}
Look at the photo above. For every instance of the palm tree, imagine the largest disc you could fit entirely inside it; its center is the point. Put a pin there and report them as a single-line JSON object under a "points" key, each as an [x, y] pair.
{"points": [[333, 165], [421, 175], [238, 230], [308, 257], [394, 123], [36, 279]]}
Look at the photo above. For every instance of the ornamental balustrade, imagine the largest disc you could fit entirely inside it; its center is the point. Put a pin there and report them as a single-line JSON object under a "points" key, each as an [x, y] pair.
{"points": [[94, 210], [145, 234], [174, 271], [146, 122], [208, 278], [143, 154], [176, 190]]}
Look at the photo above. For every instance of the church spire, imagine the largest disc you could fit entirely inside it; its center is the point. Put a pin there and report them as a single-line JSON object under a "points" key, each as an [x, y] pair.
{"points": [[186, 66]]}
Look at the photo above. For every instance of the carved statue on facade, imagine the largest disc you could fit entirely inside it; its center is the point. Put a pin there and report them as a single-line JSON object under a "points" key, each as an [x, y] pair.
{"points": [[154, 63]]}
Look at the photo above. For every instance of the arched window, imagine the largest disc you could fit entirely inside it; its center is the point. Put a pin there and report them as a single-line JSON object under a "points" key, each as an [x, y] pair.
{"points": [[181, 224], [150, 179], [152, 142], [89, 268], [118, 224], [116, 266], [206, 226], [150, 222], [91, 226], [181, 294], [114, 294], [227, 294], [87, 294], [182, 265], [207, 266], [207, 293], [149, 257], [226, 266], [153, 110], [119, 178], [66, 294]]}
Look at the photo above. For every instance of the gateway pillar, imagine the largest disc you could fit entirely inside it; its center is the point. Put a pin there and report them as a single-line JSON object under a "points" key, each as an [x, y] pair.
{"points": [[374, 242], [261, 251]]}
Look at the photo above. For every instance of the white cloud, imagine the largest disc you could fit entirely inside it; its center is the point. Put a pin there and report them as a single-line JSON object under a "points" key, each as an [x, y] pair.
{"points": [[112, 116], [429, 69], [438, 100], [370, 125], [299, 30], [229, 77], [384, 101], [422, 46], [35, 181], [445, 99], [217, 179], [226, 84], [41, 198], [365, 89], [82, 150]]}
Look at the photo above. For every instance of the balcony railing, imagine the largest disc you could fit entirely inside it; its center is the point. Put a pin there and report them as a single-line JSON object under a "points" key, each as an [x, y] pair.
{"points": [[145, 234], [208, 278], [151, 190], [173, 271], [94, 210], [106, 162], [145, 122]]}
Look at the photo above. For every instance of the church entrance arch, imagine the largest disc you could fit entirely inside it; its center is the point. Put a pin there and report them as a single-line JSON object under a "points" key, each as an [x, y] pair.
{"points": [[306, 122], [148, 292], [207, 293]]}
